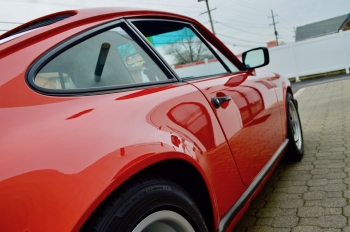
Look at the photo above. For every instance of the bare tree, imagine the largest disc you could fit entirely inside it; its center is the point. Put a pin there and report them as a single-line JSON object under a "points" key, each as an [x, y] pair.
{"points": [[188, 48]]}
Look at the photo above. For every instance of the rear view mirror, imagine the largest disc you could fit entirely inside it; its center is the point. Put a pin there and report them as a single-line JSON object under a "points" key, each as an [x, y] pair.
{"points": [[256, 58]]}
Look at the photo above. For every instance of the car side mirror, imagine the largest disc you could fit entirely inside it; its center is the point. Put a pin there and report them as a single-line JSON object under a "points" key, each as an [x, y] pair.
{"points": [[256, 58]]}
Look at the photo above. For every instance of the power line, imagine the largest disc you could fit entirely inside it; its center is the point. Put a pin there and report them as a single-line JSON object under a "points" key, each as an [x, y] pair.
{"points": [[295, 33], [245, 24], [239, 25], [245, 16], [242, 30], [234, 10], [251, 7], [11, 23], [65, 4], [285, 20], [148, 3], [241, 39], [242, 25], [47, 3]]}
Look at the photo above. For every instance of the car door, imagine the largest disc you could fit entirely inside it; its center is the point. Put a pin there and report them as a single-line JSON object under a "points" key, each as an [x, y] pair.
{"points": [[249, 114], [250, 119]]}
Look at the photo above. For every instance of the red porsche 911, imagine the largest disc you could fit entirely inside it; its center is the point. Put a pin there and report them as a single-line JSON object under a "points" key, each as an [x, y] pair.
{"points": [[121, 119]]}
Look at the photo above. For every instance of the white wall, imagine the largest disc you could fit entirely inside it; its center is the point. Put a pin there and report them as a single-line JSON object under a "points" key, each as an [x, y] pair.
{"points": [[311, 56]]}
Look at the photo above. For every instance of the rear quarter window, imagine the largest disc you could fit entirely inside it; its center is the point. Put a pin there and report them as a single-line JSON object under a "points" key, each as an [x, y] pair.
{"points": [[111, 58]]}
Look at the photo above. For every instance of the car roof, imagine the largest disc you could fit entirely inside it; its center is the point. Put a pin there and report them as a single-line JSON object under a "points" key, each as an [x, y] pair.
{"points": [[74, 18], [29, 33], [81, 15]]}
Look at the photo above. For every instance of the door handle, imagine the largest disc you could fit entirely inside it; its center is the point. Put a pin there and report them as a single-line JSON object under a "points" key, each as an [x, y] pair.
{"points": [[217, 101]]}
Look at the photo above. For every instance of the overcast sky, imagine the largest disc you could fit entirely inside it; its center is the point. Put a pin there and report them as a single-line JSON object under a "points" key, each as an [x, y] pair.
{"points": [[241, 24]]}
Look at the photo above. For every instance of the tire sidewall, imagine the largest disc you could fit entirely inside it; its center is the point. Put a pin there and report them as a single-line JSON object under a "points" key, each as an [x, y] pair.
{"points": [[149, 197], [292, 147]]}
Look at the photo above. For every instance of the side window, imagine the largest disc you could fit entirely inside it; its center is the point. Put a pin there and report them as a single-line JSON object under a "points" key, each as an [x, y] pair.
{"points": [[111, 58], [182, 49], [229, 64]]}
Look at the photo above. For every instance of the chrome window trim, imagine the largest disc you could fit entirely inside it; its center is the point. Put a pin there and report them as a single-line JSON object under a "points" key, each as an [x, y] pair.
{"points": [[12, 37]]}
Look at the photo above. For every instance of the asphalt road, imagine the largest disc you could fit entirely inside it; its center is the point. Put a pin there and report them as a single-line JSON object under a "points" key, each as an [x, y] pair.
{"points": [[316, 81]]}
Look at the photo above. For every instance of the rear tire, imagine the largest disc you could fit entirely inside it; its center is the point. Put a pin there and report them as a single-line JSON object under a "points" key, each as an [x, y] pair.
{"points": [[295, 150], [151, 204]]}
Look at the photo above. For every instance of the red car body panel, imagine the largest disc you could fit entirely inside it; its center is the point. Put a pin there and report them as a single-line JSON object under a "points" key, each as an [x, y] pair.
{"points": [[62, 155], [64, 152], [252, 113]]}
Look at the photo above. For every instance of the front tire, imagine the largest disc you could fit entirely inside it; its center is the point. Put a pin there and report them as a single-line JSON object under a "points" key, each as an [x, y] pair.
{"points": [[151, 204], [295, 150]]}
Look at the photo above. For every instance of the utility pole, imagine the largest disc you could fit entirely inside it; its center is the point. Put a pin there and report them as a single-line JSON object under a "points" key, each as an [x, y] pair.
{"points": [[211, 21], [295, 33], [274, 25]]}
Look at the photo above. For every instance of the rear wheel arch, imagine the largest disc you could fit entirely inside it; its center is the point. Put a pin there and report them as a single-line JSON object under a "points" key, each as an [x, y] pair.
{"points": [[183, 174], [190, 179]]}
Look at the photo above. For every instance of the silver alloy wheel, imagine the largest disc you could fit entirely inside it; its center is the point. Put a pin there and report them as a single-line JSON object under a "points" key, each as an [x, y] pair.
{"points": [[164, 221], [295, 127]]}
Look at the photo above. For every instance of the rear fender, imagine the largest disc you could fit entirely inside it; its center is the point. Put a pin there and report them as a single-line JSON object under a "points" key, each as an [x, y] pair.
{"points": [[136, 166]]}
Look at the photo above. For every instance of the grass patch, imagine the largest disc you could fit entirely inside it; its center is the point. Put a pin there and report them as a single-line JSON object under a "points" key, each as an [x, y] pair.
{"points": [[292, 79], [319, 75], [326, 74]]}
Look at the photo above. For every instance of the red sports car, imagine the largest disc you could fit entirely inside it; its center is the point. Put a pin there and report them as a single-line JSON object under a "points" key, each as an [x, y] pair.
{"points": [[120, 119]]}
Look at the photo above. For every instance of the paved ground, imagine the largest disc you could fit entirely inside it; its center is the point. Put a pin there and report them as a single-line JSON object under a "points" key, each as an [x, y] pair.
{"points": [[314, 194]]}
